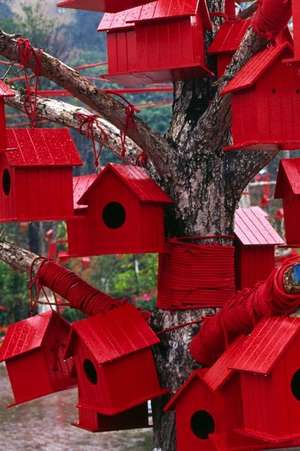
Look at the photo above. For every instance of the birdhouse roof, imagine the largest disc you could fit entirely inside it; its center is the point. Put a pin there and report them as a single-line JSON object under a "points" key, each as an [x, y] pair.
{"points": [[263, 347], [288, 178], [26, 335], [80, 186], [113, 334], [252, 228], [229, 37], [41, 147], [5, 90], [136, 179], [256, 67], [156, 10]]}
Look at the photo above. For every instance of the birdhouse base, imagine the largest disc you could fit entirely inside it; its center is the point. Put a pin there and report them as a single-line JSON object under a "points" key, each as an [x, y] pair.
{"points": [[265, 146], [269, 438]]}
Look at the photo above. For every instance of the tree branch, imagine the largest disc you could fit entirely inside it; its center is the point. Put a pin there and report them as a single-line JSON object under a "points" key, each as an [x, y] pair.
{"points": [[109, 108]]}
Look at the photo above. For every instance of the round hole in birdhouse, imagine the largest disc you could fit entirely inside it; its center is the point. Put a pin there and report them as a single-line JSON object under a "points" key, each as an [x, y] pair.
{"points": [[297, 91], [114, 215], [202, 424], [6, 182], [274, 90], [90, 371], [295, 385]]}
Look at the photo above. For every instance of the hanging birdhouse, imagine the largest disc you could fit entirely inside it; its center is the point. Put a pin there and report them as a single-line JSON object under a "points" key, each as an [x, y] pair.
{"points": [[33, 351], [5, 91], [36, 175], [263, 92], [122, 211], [111, 350], [227, 41], [111, 6], [255, 246], [209, 409], [288, 189], [269, 367], [141, 42]]}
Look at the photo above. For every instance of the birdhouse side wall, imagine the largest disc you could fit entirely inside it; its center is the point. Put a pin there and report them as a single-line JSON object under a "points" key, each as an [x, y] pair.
{"points": [[44, 193], [270, 405], [8, 191], [291, 208], [155, 44], [3, 142], [253, 264], [121, 50], [29, 376], [222, 62]]}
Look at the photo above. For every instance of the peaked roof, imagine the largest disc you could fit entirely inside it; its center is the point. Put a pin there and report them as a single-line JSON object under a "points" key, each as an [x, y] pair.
{"points": [[26, 335], [80, 186], [288, 178], [256, 67], [113, 334], [41, 147], [123, 19], [229, 36], [251, 226], [136, 179], [261, 350], [5, 90], [97, 5]]}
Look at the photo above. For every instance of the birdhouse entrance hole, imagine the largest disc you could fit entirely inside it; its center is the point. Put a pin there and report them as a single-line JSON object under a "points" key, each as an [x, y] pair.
{"points": [[90, 371], [295, 385], [114, 215], [202, 424], [6, 182]]}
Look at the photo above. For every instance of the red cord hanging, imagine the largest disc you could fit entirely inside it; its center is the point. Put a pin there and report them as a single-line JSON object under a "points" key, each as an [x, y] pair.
{"points": [[241, 313], [87, 122], [26, 53]]}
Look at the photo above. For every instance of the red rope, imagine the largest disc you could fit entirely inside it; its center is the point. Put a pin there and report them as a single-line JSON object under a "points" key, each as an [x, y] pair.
{"points": [[242, 312], [193, 276], [65, 283], [26, 53], [87, 122]]}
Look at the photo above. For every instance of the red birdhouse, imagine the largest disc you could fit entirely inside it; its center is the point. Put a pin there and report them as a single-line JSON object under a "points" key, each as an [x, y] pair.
{"points": [[122, 211], [114, 362], [141, 42], [227, 41], [209, 409], [36, 175], [111, 6], [5, 91], [269, 368], [33, 350], [288, 189], [255, 246], [263, 92]]}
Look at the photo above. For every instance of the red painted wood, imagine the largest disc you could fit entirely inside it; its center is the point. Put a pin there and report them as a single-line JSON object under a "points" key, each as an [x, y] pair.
{"points": [[112, 6], [117, 346], [253, 264], [143, 203], [263, 92], [5, 91], [33, 351]]}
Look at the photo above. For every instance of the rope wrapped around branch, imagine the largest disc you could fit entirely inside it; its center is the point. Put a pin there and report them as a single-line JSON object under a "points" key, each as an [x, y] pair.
{"points": [[271, 17], [241, 313]]}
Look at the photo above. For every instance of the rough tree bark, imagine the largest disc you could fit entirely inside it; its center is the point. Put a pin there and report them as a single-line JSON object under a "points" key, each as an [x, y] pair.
{"points": [[188, 162]]}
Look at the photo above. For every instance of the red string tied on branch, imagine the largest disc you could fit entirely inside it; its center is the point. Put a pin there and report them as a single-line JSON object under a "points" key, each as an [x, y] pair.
{"points": [[26, 53], [87, 124]]}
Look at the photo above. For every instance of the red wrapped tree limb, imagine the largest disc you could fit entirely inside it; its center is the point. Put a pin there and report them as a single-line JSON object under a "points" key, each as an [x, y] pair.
{"points": [[271, 17], [242, 313]]}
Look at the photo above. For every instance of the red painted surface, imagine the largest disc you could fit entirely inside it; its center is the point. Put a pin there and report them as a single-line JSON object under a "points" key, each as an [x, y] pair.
{"points": [[114, 361], [267, 363], [255, 245], [137, 196], [33, 350], [288, 189], [5, 91], [263, 92], [141, 42], [36, 176], [227, 41], [112, 6]]}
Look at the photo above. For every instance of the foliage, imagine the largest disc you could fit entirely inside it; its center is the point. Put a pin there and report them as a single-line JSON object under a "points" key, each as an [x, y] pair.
{"points": [[14, 295]]}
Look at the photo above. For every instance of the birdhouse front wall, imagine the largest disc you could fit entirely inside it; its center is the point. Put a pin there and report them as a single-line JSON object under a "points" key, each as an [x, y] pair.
{"points": [[253, 264], [3, 140], [271, 404], [258, 111], [291, 208], [121, 49], [35, 194]]}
